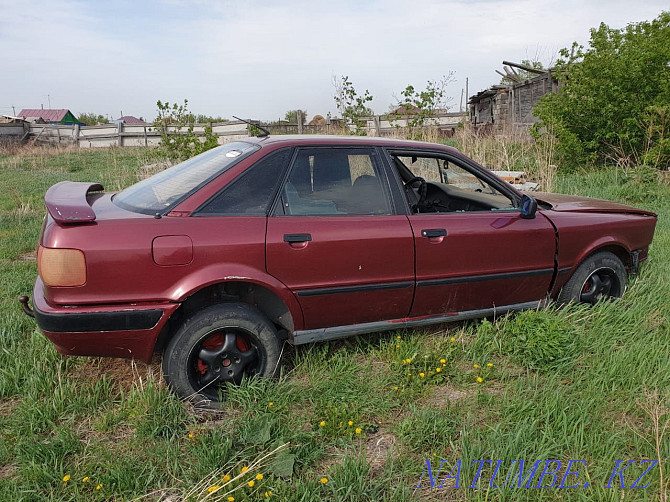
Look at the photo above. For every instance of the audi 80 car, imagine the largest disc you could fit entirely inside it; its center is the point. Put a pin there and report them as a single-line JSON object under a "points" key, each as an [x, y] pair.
{"points": [[216, 261]]}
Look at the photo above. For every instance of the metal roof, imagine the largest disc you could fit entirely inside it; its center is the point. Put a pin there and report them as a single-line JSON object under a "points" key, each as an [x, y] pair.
{"points": [[46, 115], [129, 119]]}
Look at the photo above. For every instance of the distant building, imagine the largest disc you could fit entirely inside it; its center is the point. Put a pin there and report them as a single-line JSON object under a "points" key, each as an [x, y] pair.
{"points": [[130, 120], [47, 116], [511, 103]]}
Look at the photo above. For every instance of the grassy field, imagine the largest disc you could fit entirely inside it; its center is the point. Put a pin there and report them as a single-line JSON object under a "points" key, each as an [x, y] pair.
{"points": [[354, 420]]}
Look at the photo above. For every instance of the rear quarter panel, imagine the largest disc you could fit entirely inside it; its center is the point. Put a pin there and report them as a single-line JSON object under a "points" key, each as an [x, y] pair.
{"points": [[121, 268], [582, 234]]}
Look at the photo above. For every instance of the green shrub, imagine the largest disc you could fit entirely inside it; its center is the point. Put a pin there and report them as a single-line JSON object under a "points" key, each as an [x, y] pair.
{"points": [[614, 101], [183, 143]]}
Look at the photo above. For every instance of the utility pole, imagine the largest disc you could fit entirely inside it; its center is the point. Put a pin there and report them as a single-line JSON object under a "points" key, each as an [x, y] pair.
{"points": [[13, 110], [467, 96]]}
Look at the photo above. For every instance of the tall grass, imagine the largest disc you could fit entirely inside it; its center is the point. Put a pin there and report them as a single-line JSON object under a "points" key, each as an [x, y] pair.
{"points": [[511, 149]]}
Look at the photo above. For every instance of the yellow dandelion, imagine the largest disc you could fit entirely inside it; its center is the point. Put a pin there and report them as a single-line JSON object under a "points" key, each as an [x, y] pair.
{"points": [[225, 478], [266, 495], [399, 337], [322, 423], [443, 361], [475, 366], [271, 403], [480, 379], [409, 360], [259, 477], [397, 346], [395, 388], [437, 370], [213, 488], [409, 374], [324, 480], [85, 479], [190, 435], [99, 487], [490, 365], [350, 423], [244, 469], [358, 430], [422, 374], [452, 339], [231, 499], [66, 478], [251, 483]]}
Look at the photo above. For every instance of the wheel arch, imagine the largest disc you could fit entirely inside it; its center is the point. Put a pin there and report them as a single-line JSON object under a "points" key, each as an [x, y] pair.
{"points": [[286, 315], [617, 248]]}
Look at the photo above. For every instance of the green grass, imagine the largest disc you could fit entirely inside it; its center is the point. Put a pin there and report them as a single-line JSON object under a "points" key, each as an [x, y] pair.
{"points": [[570, 383]]}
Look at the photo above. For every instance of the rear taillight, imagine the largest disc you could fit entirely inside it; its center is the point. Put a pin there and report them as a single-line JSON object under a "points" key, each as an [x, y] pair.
{"points": [[61, 267]]}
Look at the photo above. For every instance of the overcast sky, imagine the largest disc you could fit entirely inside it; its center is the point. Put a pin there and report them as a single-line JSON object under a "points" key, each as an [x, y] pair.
{"points": [[259, 59]]}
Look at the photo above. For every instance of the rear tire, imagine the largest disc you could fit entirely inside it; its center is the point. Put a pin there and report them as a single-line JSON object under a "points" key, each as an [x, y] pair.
{"points": [[220, 344], [599, 277]]}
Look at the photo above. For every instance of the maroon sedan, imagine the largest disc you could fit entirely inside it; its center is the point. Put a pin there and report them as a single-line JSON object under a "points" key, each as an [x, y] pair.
{"points": [[218, 260]]}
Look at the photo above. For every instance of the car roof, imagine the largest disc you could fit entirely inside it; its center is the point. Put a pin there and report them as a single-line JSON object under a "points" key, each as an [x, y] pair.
{"points": [[316, 139]]}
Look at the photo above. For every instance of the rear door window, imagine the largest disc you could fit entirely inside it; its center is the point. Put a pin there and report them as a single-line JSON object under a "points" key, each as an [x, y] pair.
{"points": [[252, 192], [335, 181]]}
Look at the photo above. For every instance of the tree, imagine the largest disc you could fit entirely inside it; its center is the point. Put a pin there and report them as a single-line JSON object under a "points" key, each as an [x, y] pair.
{"points": [[92, 119], [351, 105], [293, 115], [614, 104], [183, 143], [420, 106]]}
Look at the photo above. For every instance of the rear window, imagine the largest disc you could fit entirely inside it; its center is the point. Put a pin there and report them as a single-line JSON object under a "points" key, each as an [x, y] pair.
{"points": [[164, 190]]}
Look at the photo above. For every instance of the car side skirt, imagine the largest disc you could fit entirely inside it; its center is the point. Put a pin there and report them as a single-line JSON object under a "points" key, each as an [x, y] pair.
{"points": [[324, 334]]}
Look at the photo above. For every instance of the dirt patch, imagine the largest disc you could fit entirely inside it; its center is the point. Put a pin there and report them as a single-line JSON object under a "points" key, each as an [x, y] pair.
{"points": [[378, 448], [31, 256], [444, 394], [331, 456], [121, 434], [123, 372], [655, 320], [7, 407], [7, 471]]}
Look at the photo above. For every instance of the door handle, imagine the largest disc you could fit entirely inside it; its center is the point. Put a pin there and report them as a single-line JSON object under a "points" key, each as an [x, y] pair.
{"points": [[297, 238], [434, 232]]}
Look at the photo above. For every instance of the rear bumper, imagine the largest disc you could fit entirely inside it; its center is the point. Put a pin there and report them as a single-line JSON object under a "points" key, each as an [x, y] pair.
{"points": [[128, 331]]}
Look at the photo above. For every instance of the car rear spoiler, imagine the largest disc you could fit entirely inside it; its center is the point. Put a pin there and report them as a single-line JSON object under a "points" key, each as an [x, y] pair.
{"points": [[66, 201]]}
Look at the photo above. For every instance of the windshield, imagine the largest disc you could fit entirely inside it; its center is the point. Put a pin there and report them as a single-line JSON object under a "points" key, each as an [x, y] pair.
{"points": [[165, 189]]}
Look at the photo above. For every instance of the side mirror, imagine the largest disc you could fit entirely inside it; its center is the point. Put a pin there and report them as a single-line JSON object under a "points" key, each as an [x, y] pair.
{"points": [[528, 207]]}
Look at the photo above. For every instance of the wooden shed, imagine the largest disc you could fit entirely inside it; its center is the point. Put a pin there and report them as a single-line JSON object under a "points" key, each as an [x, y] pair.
{"points": [[512, 102]]}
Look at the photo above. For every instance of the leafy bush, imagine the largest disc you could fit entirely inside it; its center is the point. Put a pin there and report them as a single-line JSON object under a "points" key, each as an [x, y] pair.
{"points": [[183, 143], [420, 106], [352, 106], [614, 102], [536, 339]]}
